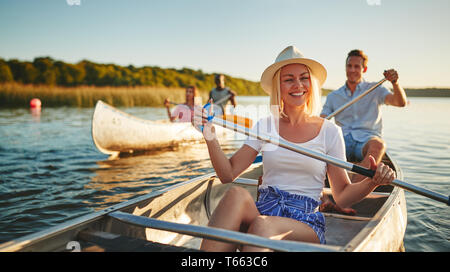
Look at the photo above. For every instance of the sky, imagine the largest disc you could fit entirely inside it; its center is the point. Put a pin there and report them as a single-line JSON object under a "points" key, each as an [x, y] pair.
{"points": [[239, 38]]}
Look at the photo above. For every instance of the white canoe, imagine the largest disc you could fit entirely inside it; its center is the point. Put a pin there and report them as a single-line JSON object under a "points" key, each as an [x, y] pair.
{"points": [[176, 218], [114, 132]]}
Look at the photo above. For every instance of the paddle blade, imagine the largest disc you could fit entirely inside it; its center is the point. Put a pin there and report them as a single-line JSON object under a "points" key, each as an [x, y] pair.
{"points": [[238, 120]]}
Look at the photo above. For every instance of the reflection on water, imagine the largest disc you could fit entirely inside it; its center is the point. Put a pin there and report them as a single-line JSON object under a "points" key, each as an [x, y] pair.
{"points": [[36, 114], [146, 172], [418, 136], [150, 171]]}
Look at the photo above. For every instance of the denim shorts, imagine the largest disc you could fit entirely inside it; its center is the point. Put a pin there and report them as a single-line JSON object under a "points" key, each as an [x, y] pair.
{"points": [[275, 202], [353, 148]]}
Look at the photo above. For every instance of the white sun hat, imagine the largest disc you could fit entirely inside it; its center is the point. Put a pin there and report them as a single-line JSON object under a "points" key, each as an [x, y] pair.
{"points": [[288, 56]]}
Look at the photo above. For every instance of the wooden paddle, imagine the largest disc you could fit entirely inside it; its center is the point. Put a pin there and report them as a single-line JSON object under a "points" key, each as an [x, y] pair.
{"points": [[328, 159], [232, 118], [343, 107], [239, 120], [236, 119]]}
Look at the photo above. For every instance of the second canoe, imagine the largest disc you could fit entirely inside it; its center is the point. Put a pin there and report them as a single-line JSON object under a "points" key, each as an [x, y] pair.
{"points": [[114, 132]]}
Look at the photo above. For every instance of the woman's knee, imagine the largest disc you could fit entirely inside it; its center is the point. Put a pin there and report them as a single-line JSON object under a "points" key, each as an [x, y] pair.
{"points": [[238, 200], [262, 226], [238, 194], [237, 207], [377, 144]]}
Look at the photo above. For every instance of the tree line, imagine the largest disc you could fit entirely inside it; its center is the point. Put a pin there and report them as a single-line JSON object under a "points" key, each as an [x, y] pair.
{"points": [[47, 71], [50, 72]]}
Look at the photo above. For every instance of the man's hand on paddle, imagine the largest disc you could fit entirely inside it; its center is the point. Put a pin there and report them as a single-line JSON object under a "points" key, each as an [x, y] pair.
{"points": [[391, 75]]}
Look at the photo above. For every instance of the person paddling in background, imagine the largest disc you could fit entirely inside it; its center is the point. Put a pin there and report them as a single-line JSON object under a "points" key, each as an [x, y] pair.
{"points": [[361, 122], [220, 95], [183, 112], [287, 207]]}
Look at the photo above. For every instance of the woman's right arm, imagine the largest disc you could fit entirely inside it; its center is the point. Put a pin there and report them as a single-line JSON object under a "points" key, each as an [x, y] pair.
{"points": [[228, 169]]}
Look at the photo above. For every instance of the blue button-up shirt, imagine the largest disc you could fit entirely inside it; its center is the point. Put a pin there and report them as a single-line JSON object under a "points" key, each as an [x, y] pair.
{"points": [[363, 118]]}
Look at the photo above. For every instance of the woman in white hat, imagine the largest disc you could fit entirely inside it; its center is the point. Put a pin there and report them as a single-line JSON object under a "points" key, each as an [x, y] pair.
{"points": [[287, 207]]}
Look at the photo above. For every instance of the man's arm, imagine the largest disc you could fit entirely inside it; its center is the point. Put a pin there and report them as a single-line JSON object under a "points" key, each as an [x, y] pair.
{"points": [[398, 98], [232, 97]]}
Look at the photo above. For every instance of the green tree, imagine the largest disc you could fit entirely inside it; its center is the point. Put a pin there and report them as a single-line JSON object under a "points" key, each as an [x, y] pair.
{"points": [[47, 73], [45, 70], [5, 72], [23, 72], [93, 72]]}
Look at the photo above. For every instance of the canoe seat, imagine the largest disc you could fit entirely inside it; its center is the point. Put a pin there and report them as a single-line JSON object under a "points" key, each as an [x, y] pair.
{"points": [[341, 230], [99, 241]]}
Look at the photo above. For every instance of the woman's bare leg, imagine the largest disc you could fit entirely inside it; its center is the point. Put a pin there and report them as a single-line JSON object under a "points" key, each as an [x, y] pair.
{"points": [[280, 228], [235, 211]]}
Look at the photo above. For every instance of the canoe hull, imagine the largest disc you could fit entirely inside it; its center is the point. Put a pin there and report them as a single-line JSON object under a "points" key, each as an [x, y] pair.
{"points": [[387, 228], [114, 132], [386, 233], [379, 225]]}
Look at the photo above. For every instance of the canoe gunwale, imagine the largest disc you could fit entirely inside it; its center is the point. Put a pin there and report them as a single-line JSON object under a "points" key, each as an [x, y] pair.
{"points": [[373, 224], [360, 241], [78, 223]]}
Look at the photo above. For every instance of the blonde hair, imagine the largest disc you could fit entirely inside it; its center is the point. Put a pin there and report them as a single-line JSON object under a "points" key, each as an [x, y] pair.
{"points": [[313, 101]]}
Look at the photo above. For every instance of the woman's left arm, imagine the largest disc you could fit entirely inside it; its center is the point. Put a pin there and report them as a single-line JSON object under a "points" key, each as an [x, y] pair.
{"points": [[346, 193]]}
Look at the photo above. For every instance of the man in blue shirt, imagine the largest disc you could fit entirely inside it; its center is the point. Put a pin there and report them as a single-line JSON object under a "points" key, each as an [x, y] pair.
{"points": [[361, 122]]}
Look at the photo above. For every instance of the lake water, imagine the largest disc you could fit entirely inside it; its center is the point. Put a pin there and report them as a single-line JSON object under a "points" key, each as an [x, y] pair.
{"points": [[50, 170]]}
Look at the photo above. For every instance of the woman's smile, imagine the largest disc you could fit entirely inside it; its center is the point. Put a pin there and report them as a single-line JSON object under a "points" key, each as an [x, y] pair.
{"points": [[298, 93]]}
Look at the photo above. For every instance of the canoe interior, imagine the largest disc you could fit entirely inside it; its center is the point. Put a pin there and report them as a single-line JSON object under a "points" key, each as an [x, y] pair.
{"points": [[192, 202]]}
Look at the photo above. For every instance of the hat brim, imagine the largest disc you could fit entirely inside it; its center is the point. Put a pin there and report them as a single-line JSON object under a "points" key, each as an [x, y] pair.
{"points": [[316, 68]]}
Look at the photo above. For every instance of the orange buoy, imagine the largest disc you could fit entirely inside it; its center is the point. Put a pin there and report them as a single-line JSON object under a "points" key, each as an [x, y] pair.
{"points": [[35, 103]]}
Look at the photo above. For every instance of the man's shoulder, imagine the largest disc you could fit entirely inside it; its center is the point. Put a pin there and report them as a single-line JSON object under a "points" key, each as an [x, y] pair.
{"points": [[341, 89], [336, 92], [215, 90]]}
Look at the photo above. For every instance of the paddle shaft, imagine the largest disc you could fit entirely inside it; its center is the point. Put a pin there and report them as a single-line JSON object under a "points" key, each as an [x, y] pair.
{"points": [[328, 159], [217, 102], [343, 107]]}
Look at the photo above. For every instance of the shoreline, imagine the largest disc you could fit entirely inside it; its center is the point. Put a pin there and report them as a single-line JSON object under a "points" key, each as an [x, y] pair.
{"points": [[16, 95]]}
